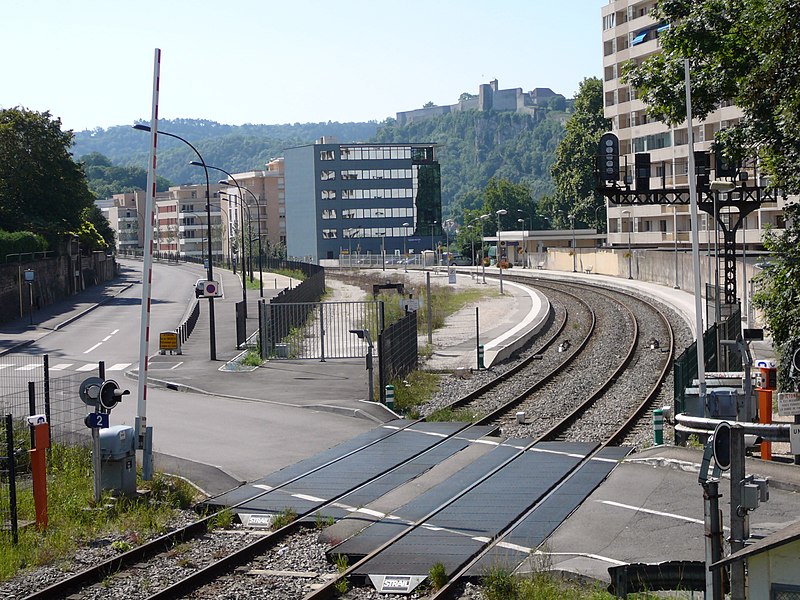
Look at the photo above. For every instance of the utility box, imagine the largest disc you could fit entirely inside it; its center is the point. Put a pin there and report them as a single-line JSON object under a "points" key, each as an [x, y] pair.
{"points": [[118, 459], [721, 403]]}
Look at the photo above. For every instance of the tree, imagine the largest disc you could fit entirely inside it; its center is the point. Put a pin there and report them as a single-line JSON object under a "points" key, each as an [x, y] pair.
{"points": [[95, 216], [747, 52], [777, 290], [744, 51], [573, 170], [512, 197], [428, 104], [41, 188]]}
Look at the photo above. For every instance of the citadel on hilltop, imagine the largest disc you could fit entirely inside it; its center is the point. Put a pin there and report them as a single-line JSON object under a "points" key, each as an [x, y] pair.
{"points": [[489, 99]]}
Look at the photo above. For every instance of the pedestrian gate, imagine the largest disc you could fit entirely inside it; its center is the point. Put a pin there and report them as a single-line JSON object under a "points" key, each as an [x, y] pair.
{"points": [[318, 330]]}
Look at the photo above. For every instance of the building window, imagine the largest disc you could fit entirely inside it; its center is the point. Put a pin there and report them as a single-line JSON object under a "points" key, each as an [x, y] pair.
{"points": [[329, 194], [327, 175], [328, 234], [329, 213], [326, 155]]}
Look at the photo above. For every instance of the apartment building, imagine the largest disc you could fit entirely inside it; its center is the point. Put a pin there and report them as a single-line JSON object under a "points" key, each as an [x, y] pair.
{"points": [[126, 218], [630, 33], [263, 209], [361, 198]]}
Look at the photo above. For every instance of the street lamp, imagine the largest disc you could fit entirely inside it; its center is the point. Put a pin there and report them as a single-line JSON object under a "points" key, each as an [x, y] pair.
{"points": [[210, 269], [524, 247], [597, 208], [483, 243], [244, 260], [241, 196], [630, 255], [499, 214], [433, 246], [574, 249], [405, 255]]}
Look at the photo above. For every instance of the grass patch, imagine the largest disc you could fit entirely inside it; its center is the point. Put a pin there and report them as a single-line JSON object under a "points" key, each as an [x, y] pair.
{"points": [[252, 358], [415, 390], [449, 414], [73, 521], [283, 518]]}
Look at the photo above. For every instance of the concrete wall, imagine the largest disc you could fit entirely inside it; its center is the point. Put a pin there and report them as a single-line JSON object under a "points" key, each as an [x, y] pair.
{"points": [[779, 565], [55, 279], [655, 266]]}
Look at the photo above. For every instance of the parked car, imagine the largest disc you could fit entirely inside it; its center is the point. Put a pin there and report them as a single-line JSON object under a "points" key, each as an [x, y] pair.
{"points": [[199, 288], [461, 261]]}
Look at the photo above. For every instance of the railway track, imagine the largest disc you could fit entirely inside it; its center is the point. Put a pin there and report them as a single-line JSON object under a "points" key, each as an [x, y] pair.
{"points": [[269, 559]]}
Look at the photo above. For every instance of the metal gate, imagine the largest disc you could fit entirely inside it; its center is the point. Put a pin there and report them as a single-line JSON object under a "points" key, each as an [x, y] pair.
{"points": [[319, 330]]}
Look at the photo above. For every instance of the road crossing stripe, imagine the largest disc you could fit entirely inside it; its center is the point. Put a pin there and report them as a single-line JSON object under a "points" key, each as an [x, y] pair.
{"points": [[6, 366], [60, 366], [28, 368], [89, 367], [118, 367]]}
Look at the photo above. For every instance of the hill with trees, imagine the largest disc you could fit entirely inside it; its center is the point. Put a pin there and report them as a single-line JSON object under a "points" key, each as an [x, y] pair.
{"points": [[474, 147]]}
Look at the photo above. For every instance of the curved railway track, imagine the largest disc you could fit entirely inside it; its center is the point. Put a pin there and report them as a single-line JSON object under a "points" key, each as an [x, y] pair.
{"points": [[567, 349]]}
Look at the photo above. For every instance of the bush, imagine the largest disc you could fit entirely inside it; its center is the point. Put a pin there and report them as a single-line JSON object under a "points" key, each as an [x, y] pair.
{"points": [[20, 242]]}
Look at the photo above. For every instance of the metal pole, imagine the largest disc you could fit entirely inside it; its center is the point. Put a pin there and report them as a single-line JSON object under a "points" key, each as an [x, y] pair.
{"points": [[698, 304], [713, 534], [675, 235], [738, 514], [478, 337], [430, 310]]}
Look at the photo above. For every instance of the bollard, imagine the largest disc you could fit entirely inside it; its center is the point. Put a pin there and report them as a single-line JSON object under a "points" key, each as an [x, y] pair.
{"points": [[390, 397], [658, 426], [480, 357]]}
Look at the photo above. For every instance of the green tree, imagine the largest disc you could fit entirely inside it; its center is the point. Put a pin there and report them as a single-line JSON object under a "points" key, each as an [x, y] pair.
{"points": [[777, 290], [41, 188], [744, 51], [95, 216], [573, 170], [514, 198], [105, 179]]}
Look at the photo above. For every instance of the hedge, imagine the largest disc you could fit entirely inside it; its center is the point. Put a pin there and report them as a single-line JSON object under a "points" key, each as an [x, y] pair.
{"points": [[20, 242]]}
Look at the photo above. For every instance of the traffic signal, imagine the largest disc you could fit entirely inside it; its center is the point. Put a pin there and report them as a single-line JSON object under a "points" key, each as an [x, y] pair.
{"points": [[609, 157], [642, 171], [722, 446], [702, 169], [725, 167], [110, 394]]}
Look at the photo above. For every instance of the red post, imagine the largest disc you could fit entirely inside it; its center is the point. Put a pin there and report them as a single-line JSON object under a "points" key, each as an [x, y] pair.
{"points": [[39, 468]]}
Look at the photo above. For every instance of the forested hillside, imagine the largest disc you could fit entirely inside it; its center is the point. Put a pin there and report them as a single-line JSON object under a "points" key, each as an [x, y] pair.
{"points": [[473, 148], [476, 146], [235, 148]]}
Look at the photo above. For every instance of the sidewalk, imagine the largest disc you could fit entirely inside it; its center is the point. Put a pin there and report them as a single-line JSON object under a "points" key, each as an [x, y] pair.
{"points": [[20, 333]]}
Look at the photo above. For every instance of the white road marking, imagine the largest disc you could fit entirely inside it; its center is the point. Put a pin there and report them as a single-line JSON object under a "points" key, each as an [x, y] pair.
{"points": [[60, 366], [309, 498], [6, 365], [175, 366], [118, 367], [652, 512], [87, 367], [28, 368], [92, 348]]}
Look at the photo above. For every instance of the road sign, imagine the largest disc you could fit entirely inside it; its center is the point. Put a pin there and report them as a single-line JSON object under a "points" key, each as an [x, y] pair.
{"points": [[788, 404], [211, 289], [409, 304], [794, 438], [97, 420], [168, 340]]}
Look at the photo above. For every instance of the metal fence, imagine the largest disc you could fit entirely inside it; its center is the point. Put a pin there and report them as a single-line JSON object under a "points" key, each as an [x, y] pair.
{"points": [[685, 366], [8, 478], [317, 330], [397, 350]]}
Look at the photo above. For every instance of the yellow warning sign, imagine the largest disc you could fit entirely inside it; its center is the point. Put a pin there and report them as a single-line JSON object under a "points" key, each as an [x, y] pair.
{"points": [[168, 340]]}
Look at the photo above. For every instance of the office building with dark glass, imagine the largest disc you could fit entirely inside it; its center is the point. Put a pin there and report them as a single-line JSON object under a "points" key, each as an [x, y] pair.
{"points": [[360, 198]]}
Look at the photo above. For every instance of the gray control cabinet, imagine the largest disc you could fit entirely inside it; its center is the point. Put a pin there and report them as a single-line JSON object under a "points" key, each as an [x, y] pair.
{"points": [[118, 458]]}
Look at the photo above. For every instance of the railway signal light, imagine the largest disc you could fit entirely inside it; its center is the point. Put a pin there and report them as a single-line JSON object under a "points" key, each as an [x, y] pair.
{"points": [[642, 171], [722, 446], [110, 394], [609, 157]]}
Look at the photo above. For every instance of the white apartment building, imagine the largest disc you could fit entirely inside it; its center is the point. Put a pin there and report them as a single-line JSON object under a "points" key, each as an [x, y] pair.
{"points": [[630, 33]]}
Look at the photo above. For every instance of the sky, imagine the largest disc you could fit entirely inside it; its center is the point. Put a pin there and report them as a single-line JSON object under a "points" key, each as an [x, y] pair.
{"points": [[90, 62]]}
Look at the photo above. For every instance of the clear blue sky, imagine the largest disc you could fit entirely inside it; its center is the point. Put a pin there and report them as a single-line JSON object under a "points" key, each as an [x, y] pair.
{"points": [[90, 62]]}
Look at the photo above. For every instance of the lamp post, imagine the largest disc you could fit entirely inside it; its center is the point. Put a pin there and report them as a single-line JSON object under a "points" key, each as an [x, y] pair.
{"points": [[433, 246], [499, 214], [574, 248], [244, 261], [241, 196], [405, 255], [596, 216], [524, 247], [212, 341], [483, 243], [630, 255]]}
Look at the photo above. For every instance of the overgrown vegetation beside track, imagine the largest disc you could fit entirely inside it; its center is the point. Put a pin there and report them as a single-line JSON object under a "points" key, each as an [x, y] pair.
{"points": [[73, 520]]}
